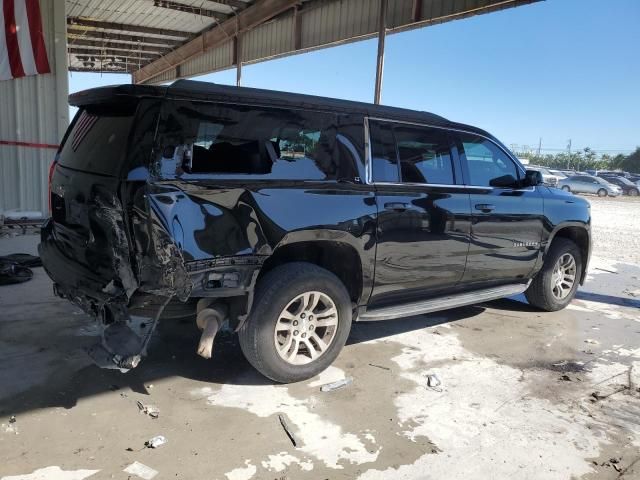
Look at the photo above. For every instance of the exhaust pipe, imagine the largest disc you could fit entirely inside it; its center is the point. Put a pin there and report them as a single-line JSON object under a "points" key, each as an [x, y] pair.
{"points": [[210, 319]]}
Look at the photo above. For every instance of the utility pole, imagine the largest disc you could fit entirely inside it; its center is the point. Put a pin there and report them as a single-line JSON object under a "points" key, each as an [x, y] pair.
{"points": [[569, 154], [539, 145]]}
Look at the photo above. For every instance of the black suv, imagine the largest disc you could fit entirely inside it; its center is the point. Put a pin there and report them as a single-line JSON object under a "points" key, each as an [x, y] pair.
{"points": [[285, 217]]}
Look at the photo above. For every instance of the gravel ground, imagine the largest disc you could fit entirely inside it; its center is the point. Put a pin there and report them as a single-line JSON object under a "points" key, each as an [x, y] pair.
{"points": [[616, 228]]}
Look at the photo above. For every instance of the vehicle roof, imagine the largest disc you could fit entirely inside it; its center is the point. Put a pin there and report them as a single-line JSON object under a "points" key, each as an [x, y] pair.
{"points": [[206, 91]]}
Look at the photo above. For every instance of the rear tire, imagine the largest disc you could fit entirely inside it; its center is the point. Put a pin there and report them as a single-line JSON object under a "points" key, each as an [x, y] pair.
{"points": [[602, 192], [549, 285], [566, 188], [282, 338]]}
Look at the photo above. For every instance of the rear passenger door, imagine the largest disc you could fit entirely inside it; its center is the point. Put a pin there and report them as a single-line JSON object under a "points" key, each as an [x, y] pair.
{"points": [[507, 221], [423, 212]]}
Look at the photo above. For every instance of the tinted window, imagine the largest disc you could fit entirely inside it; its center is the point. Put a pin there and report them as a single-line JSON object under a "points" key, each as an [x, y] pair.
{"points": [[485, 160], [98, 139], [239, 141], [384, 157], [425, 156]]}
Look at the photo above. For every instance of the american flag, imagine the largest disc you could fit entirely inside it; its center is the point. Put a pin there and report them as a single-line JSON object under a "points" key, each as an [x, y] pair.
{"points": [[22, 49]]}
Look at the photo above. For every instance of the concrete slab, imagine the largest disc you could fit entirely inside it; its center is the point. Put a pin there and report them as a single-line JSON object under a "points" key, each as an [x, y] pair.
{"points": [[524, 394]]}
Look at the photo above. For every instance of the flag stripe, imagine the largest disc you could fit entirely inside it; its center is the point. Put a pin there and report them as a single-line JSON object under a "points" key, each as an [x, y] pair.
{"points": [[24, 39], [37, 36], [11, 37], [5, 67]]}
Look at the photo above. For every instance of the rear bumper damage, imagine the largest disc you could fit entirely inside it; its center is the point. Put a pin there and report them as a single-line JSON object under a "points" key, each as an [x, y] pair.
{"points": [[128, 310]]}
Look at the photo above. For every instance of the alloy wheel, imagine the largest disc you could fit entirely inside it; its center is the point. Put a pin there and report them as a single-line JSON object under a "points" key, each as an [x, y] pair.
{"points": [[564, 276], [306, 327]]}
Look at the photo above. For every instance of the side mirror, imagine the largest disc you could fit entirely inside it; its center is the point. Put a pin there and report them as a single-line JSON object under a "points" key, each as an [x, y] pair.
{"points": [[533, 178], [505, 181]]}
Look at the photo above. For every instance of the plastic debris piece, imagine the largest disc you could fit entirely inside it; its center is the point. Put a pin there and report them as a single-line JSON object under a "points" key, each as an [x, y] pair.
{"points": [[287, 430], [12, 419], [141, 470], [152, 411], [379, 366], [433, 380], [591, 341], [330, 387], [155, 442]]}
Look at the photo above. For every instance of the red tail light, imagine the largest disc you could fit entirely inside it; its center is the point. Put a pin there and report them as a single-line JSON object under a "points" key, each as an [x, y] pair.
{"points": [[52, 169]]}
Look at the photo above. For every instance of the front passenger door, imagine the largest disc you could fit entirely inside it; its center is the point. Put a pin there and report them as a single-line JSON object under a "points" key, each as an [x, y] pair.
{"points": [[506, 221]]}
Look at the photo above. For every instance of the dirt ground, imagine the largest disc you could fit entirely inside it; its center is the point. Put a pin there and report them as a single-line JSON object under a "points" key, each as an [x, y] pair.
{"points": [[616, 227], [524, 394]]}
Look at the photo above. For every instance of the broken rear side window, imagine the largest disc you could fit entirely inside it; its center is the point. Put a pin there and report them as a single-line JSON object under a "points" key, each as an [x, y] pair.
{"points": [[98, 140], [237, 141]]}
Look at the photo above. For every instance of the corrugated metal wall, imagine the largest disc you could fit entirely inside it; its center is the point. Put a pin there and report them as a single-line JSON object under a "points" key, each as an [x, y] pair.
{"points": [[34, 110], [329, 23]]}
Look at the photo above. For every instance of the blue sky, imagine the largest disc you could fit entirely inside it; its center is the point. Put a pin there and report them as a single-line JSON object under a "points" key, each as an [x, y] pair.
{"points": [[558, 69]]}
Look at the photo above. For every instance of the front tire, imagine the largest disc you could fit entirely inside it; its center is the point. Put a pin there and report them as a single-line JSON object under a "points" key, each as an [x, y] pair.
{"points": [[556, 284], [602, 192], [633, 192], [300, 320], [566, 188]]}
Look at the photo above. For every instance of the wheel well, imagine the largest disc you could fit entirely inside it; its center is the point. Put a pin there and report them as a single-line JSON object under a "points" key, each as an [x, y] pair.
{"points": [[339, 258], [580, 237]]}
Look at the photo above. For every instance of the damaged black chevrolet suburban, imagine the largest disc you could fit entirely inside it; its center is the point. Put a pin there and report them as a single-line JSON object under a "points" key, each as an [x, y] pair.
{"points": [[285, 217]]}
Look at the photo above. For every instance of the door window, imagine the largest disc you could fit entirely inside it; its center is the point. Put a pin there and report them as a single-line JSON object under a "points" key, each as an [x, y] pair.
{"points": [[384, 157], [485, 160], [234, 141], [425, 155]]}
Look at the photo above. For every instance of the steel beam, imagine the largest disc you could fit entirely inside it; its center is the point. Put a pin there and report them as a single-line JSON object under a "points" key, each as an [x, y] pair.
{"points": [[127, 46], [144, 57], [97, 70], [101, 35], [245, 20], [237, 53], [236, 4], [382, 33], [181, 7], [85, 22]]}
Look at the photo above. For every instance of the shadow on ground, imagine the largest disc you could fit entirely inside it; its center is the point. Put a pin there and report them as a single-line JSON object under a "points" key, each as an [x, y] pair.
{"points": [[71, 378]]}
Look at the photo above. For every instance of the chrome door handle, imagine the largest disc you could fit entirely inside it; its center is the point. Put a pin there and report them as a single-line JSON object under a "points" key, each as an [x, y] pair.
{"points": [[485, 207]]}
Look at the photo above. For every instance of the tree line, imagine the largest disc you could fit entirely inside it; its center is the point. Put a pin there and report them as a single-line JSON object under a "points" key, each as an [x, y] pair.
{"points": [[586, 159]]}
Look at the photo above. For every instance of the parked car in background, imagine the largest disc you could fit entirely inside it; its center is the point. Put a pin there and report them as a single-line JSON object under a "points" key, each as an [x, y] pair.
{"points": [[559, 173], [548, 178], [589, 184], [627, 186], [635, 178]]}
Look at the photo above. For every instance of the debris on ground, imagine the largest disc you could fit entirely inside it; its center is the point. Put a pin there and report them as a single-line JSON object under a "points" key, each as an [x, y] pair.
{"points": [[605, 270], [12, 419], [155, 442], [433, 381], [152, 411], [287, 430], [330, 387], [379, 366], [141, 470], [591, 341]]}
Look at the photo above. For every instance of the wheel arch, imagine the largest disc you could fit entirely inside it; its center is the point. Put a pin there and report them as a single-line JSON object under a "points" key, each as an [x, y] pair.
{"points": [[578, 233], [333, 253]]}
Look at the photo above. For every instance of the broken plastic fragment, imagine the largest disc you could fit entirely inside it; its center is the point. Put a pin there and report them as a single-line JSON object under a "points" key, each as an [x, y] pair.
{"points": [[155, 442], [330, 387], [141, 470]]}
